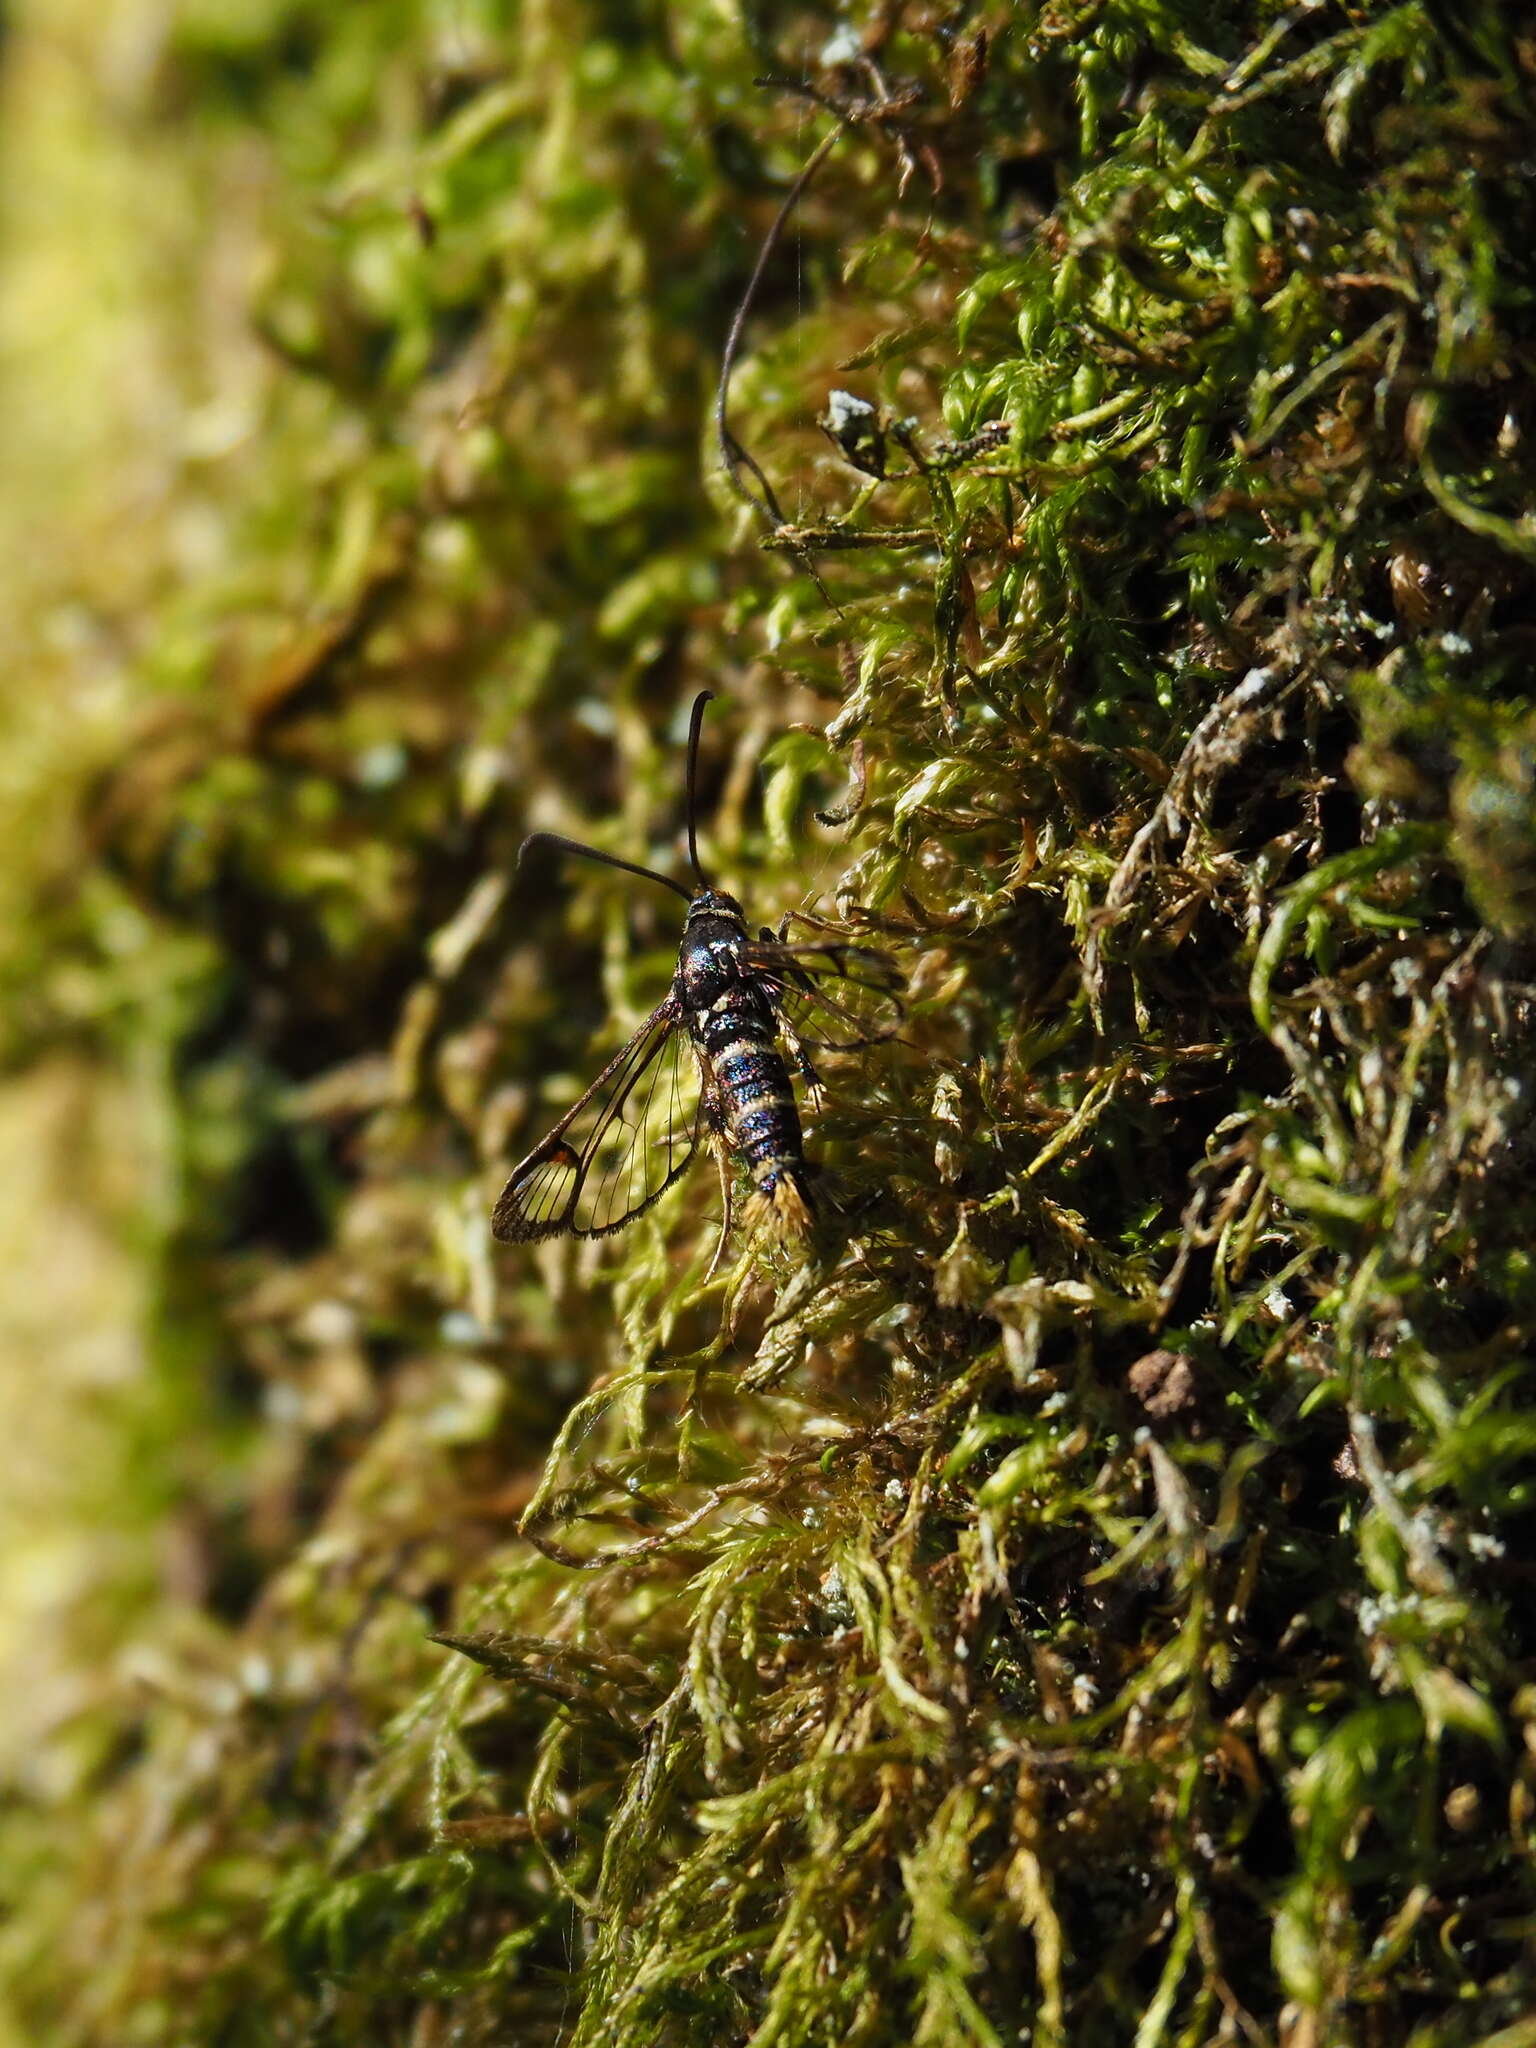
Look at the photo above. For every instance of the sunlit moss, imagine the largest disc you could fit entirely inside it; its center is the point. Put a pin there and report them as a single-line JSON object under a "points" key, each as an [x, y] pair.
{"points": [[1078, 1599]]}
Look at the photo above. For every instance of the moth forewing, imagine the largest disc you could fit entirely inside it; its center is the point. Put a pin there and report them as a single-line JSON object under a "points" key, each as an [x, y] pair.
{"points": [[618, 1147], [537, 1197], [637, 1151]]}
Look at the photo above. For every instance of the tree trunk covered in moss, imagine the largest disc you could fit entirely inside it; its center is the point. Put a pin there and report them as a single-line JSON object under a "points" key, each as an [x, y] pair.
{"points": [[1078, 1598]]}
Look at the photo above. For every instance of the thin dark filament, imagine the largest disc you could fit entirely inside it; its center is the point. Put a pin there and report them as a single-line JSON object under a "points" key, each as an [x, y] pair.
{"points": [[695, 723], [610, 860], [732, 454]]}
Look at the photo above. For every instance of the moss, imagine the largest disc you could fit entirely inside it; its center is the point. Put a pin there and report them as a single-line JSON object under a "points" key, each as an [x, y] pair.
{"points": [[1078, 1599]]}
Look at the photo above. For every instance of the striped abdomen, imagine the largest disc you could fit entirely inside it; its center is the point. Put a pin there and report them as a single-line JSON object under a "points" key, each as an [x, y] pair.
{"points": [[737, 1035]]}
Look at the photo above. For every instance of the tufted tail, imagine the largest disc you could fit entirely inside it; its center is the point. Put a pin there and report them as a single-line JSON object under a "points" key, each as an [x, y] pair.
{"points": [[782, 1208]]}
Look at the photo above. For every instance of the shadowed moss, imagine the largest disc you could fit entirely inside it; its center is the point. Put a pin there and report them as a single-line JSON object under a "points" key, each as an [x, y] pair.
{"points": [[1079, 1599]]}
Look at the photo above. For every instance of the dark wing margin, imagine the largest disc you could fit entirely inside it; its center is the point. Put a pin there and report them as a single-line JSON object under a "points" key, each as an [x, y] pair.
{"points": [[834, 998], [618, 1148]]}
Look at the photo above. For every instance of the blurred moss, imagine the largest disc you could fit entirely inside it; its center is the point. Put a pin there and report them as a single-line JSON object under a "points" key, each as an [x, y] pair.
{"points": [[1079, 1598]]}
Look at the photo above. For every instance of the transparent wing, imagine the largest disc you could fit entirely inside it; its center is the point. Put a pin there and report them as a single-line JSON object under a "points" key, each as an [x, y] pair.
{"points": [[614, 1151], [834, 998]]}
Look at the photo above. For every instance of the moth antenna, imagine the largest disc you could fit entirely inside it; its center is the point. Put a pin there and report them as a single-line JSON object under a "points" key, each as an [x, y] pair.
{"points": [[609, 860], [695, 722]]}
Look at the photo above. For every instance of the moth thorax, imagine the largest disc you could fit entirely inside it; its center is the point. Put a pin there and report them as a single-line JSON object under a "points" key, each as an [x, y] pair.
{"points": [[714, 905]]}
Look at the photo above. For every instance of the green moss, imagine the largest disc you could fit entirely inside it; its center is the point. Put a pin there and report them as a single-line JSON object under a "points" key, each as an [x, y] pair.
{"points": [[1078, 1600]]}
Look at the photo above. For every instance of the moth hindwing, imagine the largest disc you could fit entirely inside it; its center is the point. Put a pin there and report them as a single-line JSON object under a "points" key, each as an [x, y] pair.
{"points": [[618, 1147]]}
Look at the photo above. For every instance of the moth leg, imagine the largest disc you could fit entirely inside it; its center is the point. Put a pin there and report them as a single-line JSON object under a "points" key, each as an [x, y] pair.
{"points": [[804, 1065], [788, 922], [811, 922], [794, 971], [716, 1121], [796, 1044], [728, 1219], [836, 954]]}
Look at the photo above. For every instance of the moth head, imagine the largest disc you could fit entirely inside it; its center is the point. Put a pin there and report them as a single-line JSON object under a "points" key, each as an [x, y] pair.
{"points": [[715, 903]]}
